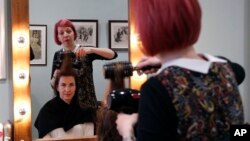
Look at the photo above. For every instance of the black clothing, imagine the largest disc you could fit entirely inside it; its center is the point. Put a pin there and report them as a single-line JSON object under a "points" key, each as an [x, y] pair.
{"points": [[58, 114], [32, 56], [84, 71]]}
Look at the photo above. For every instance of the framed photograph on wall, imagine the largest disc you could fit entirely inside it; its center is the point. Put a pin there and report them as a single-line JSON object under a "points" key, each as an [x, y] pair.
{"points": [[38, 44], [118, 34], [87, 32]]}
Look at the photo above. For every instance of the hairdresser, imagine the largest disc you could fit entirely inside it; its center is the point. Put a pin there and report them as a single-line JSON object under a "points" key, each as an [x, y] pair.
{"points": [[194, 96], [65, 34]]}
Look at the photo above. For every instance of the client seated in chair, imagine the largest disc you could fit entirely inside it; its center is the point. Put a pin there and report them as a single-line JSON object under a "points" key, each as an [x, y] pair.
{"points": [[62, 116]]}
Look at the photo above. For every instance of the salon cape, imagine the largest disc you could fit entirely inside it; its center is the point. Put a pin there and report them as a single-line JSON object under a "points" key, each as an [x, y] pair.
{"points": [[58, 114]]}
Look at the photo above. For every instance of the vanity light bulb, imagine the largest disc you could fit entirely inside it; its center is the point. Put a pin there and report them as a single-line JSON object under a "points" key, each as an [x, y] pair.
{"points": [[22, 111], [21, 41], [22, 75]]}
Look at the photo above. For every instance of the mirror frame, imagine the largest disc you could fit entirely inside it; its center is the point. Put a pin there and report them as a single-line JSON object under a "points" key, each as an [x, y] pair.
{"points": [[134, 53], [20, 21], [20, 70]]}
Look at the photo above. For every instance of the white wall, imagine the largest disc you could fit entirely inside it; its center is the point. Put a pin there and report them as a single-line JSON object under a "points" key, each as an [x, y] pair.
{"points": [[224, 33], [6, 97], [246, 58]]}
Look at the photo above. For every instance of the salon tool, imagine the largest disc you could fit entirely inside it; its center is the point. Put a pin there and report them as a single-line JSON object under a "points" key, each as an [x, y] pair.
{"points": [[124, 100], [121, 99], [124, 67]]}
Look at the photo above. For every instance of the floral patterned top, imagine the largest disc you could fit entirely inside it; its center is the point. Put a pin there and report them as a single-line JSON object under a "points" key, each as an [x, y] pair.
{"points": [[84, 70], [190, 100]]}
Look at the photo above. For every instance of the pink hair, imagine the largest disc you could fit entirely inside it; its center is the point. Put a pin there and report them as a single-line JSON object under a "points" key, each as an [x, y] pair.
{"points": [[165, 25], [63, 23]]}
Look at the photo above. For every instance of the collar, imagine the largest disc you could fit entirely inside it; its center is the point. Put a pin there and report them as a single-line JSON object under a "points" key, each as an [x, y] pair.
{"points": [[74, 50], [201, 66]]}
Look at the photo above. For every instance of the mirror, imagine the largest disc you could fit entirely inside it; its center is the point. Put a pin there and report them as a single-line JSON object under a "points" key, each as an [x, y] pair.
{"points": [[47, 12]]}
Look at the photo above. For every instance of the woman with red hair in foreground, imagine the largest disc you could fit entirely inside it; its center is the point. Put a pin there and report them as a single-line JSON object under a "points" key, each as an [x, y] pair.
{"points": [[193, 96]]}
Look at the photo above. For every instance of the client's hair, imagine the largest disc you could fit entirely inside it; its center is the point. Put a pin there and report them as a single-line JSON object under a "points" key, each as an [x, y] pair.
{"points": [[65, 70], [106, 126]]}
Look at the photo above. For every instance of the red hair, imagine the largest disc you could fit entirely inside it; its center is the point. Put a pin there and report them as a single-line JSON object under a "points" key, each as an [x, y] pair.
{"points": [[63, 23], [165, 25]]}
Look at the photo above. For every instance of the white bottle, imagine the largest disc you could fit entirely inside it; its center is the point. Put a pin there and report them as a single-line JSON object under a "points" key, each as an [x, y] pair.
{"points": [[1, 131], [7, 128]]}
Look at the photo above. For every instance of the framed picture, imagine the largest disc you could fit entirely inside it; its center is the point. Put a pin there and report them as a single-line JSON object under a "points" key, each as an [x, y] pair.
{"points": [[87, 32], [38, 44], [2, 40], [118, 34]]}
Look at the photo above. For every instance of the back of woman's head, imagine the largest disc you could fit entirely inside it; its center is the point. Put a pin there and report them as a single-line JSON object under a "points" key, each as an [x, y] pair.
{"points": [[63, 23], [165, 25], [106, 126]]}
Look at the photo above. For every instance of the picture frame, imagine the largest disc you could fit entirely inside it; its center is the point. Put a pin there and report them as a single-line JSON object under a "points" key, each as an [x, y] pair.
{"points": [[118, 34], [2, 40], [87, 32], [38, 44]]}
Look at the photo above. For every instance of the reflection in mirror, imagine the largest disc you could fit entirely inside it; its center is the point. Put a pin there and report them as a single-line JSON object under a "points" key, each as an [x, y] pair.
{"points": [[47, 12]]}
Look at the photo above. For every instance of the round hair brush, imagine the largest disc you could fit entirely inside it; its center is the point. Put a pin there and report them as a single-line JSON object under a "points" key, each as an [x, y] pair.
{"points": [[124, 68]]}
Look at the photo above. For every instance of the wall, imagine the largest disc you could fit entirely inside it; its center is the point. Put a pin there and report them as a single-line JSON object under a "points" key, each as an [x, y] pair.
{"points": [[225, 33], [246, 57], [6, 97]]}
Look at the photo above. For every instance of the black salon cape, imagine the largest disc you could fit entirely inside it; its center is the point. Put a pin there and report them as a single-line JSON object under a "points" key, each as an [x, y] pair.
{"points": [[58, 114]]}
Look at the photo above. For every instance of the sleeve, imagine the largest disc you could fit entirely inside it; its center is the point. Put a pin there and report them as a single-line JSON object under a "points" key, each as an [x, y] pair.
{"points": [[157, 116], [53, 65], [115, 56], [99, 57]]}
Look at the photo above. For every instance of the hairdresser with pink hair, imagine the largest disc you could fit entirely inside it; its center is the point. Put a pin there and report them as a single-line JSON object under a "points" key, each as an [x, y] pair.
{"points": [[65, 35], [194, 96]]}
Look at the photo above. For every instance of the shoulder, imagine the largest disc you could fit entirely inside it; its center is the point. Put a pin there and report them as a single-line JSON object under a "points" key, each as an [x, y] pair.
{"points": [[48, 106], [152, 83], [152, 88], [58, 51]]}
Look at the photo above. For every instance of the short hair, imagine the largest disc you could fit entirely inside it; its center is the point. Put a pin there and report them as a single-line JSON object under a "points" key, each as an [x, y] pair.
{"points": [[63, 23], [167, 24]]}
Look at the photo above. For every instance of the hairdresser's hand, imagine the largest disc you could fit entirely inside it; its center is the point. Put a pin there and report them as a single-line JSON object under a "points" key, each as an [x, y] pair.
{"points": [[125, 124], [83, 51], [147, 61], [80, 52], [53, 79], [56, 74]]}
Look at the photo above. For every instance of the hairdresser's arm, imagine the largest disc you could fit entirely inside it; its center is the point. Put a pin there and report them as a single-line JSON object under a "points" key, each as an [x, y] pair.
{"points": [[104, 52], [53, 78], [148, 61], [54, 72], [125, 125]]}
